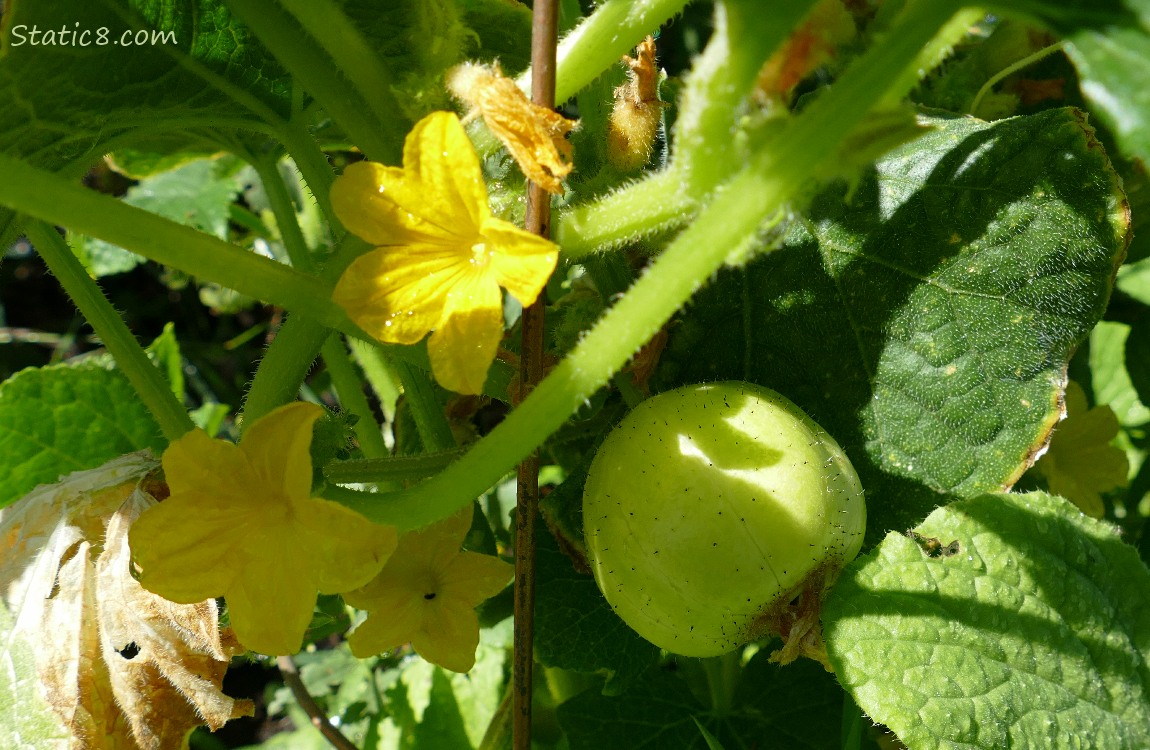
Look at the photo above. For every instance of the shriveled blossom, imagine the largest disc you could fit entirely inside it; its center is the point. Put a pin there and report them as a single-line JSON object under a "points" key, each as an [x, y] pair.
{"points": [[426, 596], [535, 136], [440, 256], [241, 523]]}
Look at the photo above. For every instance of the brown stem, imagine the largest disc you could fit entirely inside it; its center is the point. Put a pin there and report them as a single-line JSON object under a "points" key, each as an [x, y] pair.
{"points": [[319, 719], [544, 27]]}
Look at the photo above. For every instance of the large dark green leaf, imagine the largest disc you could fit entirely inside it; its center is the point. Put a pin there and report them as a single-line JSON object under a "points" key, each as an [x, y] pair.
{"points": [[926, 318], [1029, 627]]}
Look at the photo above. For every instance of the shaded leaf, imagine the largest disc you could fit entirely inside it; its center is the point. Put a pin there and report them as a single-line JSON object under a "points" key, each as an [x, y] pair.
{"points": [[1035, 634]]}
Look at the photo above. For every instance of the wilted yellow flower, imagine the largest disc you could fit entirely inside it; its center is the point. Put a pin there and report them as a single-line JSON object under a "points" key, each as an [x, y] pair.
{"points": [[535, 136], [241, 523], [441, 256], [426, 596]]}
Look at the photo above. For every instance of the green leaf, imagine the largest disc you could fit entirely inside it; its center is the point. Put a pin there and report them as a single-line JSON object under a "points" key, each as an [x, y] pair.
{"points": [[1109, 375], [1134, 280], [197, 194], [926, 319], [26, 721], [56, 420], [165, 352], [1036, 633], [799, 706]]}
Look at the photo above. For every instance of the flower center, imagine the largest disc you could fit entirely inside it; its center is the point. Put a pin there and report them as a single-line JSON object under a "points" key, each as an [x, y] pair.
{"points": [[480, 254]]}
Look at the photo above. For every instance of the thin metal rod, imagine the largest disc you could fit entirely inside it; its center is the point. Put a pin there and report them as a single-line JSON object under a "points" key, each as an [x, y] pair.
{"points": [[544, 28]]}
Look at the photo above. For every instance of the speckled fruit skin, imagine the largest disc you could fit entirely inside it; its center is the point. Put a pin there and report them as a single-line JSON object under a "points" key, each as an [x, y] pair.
{"points": [[711, 504]]}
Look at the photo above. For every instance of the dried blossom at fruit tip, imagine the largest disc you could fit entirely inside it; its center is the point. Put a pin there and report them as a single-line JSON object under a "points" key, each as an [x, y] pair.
{"points": [[535, 136], [241, 523], [637, 113], [440, 257], [426, 596]]}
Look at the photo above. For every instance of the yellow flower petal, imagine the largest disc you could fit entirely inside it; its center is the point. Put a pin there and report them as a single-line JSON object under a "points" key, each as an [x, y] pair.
{"points": [[523, 262], [398, 294], [240, 523], [363, 199], [332, 530], [426, 596], [464, 346], [181, 562], [271, 603], [279, 445], [474, 578], [449, 637], [439, 156], [196, 460], [388, 630]]}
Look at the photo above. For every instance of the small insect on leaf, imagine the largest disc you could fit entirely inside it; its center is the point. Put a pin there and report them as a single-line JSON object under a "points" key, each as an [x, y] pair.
{"points": [[932, 547]]}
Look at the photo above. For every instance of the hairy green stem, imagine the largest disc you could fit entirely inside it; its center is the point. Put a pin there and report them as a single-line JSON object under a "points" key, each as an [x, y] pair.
{"points": [[310, 64], [772, 178], [390, 469], [430, 421], [45, 196], [349, 388], [312, 163], [640, 209], [284, 366], [352, 55], [719, 85], [379, 374], [267, 168], [130, 357]]}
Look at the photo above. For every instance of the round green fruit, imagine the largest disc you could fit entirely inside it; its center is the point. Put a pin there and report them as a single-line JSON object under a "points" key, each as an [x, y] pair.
{"points": [[716, 514]]}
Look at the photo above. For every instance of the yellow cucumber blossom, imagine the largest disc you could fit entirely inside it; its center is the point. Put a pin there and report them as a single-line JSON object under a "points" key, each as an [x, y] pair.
{"points": [[241, 523], [440, 256], [426, 596]]}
